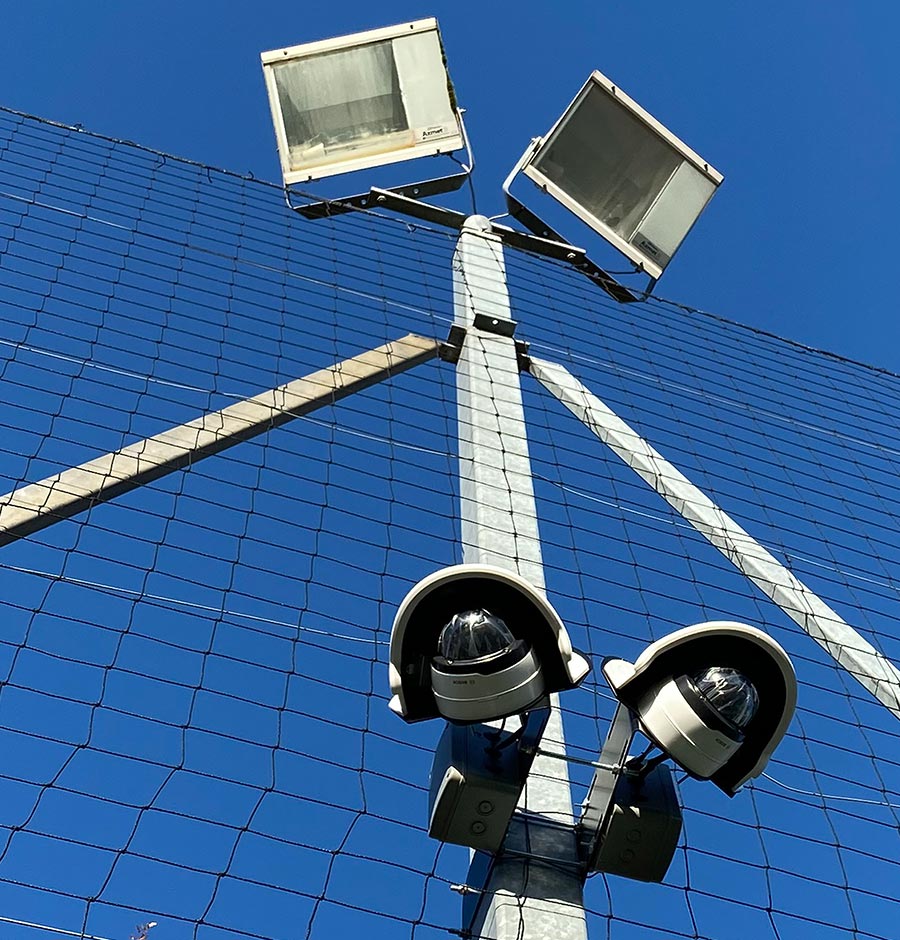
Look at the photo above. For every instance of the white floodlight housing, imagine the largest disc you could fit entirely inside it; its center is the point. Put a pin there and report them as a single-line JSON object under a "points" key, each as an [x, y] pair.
{"points": [[716, 697], [361, 101], [521, 653], [620, 171]]}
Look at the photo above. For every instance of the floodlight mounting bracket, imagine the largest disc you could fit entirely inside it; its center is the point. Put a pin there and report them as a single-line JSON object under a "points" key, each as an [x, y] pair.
{"points": [[326, 208], [396, 201], [539, 228], [555, 248]]}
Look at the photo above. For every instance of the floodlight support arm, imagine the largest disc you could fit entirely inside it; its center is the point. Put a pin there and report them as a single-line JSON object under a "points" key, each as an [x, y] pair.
{"points": [[579, 258], [35, 506]]}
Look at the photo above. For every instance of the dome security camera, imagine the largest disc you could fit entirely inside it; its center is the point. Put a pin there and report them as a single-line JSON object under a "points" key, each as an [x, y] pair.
{"points": [[472, 643], [716, 697], [482, 671]]}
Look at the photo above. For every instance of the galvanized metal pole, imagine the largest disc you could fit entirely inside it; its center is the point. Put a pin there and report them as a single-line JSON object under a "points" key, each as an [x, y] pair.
{"points": [[535, 888]]}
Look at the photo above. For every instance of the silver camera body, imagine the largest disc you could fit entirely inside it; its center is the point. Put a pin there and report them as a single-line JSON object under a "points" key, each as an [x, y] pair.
{"points": [[507, 683]]}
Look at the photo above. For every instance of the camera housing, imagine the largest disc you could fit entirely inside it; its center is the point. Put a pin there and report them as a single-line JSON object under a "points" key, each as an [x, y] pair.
{"points": [[516, 677], [477, 780], [717, 697], [482, 671]]}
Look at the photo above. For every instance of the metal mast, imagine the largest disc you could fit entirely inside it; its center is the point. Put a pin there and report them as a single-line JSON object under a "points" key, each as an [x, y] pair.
{"points": [[534, 887]]}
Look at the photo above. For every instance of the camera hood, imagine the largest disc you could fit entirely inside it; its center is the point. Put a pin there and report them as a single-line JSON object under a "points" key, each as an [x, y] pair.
{"points": [[435, 599], [722, 643]]}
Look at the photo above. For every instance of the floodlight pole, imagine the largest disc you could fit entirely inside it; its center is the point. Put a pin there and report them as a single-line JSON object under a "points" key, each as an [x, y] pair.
{"points": [[534, 887]]}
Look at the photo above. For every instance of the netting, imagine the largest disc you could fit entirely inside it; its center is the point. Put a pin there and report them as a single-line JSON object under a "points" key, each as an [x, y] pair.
{"points": [[193, 715]]}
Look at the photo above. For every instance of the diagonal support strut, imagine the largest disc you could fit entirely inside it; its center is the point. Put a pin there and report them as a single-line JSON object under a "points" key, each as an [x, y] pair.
{"points": [[874, 671], [35, 506]]}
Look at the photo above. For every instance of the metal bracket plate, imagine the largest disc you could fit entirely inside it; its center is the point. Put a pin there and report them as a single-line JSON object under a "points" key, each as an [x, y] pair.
{"points": [[410, 193], [599, 802], [451, 350], [522, 358], [494, 325]]}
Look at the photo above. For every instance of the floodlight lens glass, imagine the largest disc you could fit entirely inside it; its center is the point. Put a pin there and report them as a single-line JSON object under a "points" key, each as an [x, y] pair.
{"points": [[474, 635], [622, 176], [607, 160], [730, 693], [364, 100], [340, 100]]}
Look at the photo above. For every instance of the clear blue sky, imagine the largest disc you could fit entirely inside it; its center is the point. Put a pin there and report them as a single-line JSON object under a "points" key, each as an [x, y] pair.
{"points": [[795, 101], [326, 526]]}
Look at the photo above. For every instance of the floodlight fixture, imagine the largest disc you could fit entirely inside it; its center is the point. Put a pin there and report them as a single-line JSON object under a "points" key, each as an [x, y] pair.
{"points": [[362, 101], [615, 167]]}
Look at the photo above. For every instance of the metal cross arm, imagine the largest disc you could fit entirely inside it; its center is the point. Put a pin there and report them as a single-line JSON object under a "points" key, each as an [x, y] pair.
{"points": [[35, 506]]}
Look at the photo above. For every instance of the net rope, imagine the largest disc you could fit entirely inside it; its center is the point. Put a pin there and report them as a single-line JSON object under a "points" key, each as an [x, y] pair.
{"points": [[193, 676]]}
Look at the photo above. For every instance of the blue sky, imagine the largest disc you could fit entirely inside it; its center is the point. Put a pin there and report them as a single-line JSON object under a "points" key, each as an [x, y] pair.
{"points": [[176, 747], [794, 101]]}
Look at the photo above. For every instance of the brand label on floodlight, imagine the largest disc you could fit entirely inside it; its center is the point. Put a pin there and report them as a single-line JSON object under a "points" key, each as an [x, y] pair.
{"points": [[435, 132], [647, 246]]}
